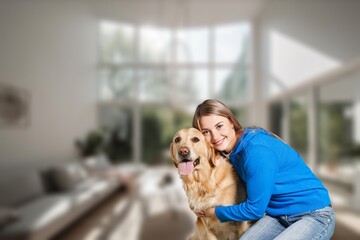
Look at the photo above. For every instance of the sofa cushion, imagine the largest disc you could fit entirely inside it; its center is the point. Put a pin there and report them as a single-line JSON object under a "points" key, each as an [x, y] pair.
{"points": [[39, 217], [96, 186], [45, 216], [68, 176], [20, 187], [97, 163], [7, 216]]}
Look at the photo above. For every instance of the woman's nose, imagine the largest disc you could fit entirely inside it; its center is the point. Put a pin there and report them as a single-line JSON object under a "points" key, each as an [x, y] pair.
{"points": [[214, 135]]}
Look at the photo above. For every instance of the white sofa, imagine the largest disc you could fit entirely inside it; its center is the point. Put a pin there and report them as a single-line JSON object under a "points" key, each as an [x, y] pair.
{"points": [[29, 210]]}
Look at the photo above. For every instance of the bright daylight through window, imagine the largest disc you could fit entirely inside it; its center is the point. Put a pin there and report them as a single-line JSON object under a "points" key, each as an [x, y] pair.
{"points": [[151, 79]]}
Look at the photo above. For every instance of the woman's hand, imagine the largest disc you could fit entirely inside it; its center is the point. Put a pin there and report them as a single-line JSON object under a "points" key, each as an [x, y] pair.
{"points": [[210, 212]]}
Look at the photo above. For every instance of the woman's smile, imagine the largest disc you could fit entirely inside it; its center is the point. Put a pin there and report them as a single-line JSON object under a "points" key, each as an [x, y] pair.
{"points": [[219, 142]]}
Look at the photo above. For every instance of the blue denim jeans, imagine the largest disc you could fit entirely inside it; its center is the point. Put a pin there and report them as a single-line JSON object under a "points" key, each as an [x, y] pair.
{"points": [[318, 224]]}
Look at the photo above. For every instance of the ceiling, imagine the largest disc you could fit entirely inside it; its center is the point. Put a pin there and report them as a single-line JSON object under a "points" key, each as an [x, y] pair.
{"points": [[180, 12]]}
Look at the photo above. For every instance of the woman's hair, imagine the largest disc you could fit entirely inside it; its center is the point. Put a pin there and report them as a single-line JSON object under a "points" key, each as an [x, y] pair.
{"points": [[215, 107]]}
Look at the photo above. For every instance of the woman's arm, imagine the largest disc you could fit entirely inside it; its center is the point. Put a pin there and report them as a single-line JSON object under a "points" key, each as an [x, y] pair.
{"points": [[260, 166]]}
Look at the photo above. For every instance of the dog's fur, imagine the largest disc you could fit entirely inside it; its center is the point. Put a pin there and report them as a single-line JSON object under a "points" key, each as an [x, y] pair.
{"points": [[212, 181]]}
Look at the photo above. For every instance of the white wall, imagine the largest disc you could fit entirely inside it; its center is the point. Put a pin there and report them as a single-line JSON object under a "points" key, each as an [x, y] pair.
{"points": [[49, 49], [303, 39]]}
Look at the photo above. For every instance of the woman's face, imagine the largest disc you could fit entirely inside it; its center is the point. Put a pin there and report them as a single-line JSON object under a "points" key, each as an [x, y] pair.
{"points": [[219, 131]]}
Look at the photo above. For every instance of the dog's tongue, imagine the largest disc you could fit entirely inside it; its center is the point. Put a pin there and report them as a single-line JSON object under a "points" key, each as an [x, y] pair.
{"points": [[185, 168]]}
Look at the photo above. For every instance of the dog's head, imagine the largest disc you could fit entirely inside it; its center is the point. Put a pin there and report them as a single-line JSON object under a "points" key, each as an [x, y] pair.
{"points": [[190, 151]]}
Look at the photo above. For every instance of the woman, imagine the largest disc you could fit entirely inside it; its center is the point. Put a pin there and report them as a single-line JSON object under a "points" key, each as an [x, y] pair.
{"points": [[283, 193]]}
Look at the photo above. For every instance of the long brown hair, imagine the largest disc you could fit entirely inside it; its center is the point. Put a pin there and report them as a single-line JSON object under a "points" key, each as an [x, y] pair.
{"points": [[215, 107]]}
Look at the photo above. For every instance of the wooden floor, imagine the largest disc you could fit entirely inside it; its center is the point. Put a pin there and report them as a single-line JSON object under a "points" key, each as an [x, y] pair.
{"points": [[347, 225]]}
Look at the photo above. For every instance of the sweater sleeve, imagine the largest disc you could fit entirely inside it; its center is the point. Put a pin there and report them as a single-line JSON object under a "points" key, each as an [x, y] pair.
{"points": [[260, 167]]}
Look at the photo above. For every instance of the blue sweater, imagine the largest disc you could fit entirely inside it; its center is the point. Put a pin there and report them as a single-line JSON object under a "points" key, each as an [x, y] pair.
{"points": [[277, 180]]}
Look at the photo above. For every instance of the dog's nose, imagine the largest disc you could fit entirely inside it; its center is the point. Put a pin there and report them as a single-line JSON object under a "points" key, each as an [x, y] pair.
{"points": [[183, 151]]}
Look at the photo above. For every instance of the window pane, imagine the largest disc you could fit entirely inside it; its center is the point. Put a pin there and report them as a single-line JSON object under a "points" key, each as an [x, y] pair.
{"points": [[191, 85], [299, 124], [192, 45], [116, 42], [232, 43], [276, 118], [154, 44], [153, 85], [340, 121], [116, 123], [159, 125], [116, 84], [240, 114], [232, 84]]}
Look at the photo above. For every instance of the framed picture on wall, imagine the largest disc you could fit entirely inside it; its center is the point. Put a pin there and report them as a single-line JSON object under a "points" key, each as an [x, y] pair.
{"points": [[14, 106]]}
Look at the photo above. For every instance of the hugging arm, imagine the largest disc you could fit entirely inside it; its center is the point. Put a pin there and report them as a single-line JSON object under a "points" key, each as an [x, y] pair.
{"points": [[260, 168]]}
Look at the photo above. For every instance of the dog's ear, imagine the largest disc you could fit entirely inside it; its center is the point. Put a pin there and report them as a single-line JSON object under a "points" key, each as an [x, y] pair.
{"points": [[172, 154], [211, 154]]}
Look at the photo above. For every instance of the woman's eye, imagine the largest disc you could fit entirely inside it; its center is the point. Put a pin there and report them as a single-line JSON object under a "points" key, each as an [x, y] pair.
{"points": [[177, 139], [219, 126], [205, 133]]}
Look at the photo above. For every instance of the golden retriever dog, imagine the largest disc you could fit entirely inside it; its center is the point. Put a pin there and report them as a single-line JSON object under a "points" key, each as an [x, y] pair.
{"points": [[209, 180]]}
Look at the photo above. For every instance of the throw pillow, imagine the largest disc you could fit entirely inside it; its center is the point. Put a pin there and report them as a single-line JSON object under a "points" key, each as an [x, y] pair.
{"points": [[68, 176]]}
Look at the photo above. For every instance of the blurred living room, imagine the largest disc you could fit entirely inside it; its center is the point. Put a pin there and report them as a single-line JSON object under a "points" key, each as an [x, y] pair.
{"points": [[92, 93]]}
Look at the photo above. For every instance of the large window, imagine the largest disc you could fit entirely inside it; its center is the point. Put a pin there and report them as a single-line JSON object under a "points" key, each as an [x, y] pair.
{"points": [[330, 120], [340, 121], [157, 76]]}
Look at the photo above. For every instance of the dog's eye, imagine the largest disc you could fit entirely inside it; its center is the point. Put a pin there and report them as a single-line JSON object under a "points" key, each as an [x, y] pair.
{"points": [[177, 139], [195, 139]]}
